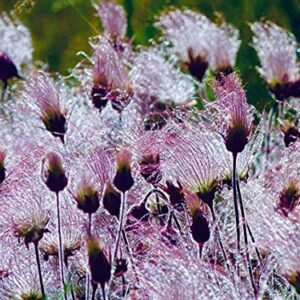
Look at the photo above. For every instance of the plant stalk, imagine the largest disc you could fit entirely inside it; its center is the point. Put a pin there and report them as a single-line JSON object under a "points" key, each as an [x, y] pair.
{"points": [[38, 262]]}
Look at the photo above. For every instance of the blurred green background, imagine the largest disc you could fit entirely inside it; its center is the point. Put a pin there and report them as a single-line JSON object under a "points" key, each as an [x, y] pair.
{"points": [[60, 28]]}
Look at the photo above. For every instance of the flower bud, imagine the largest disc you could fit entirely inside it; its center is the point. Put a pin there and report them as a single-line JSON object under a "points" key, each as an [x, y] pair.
{"points": [[55, 122], [236, 138], [112, 200], [54, 176], [87, 199], [200, 227], [290, 131], [100, 267], [2, 166], [123, 180], [294, 279], [289, 198], [99, 96], [8, 69], [197, 66]]}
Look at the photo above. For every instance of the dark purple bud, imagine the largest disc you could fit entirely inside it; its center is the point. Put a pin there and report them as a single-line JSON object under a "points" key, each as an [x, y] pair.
{"points": [[236, 138], [8, 69], [112, 200], [99, 96], [123, 180], [87, 199], [200, 228], [197, 66], [100, 267], [289, 198], [54, 176], [55, 123]]}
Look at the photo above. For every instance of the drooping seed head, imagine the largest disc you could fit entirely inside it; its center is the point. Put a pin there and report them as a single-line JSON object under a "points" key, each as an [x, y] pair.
{"points": [[123, 180], [234, 117], [41, 90], [289, 198], [87, 198], [112, 200], [100, 267], [54, 173]]}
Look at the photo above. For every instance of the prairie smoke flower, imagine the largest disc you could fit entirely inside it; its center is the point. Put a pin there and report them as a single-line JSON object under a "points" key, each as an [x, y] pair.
{"points": [[111, 81], [276, 49], [188, 32], [156, 79], [15, 48], [2, 166], [199, 227], [100, 266], [191, 160], [87, 197], [233, 119], [225, 44], [282, 181], [123, 180], [112, 200], [54, 173], [113, 19], [41, 90]]}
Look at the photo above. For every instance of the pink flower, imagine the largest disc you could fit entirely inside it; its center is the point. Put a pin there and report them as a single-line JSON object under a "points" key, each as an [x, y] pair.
{"points": [[41, 90], [225, 44], [277, 52], [15, 41], [113, 19], [187, 32], [156, 79], [110, 78], [233, 115]]}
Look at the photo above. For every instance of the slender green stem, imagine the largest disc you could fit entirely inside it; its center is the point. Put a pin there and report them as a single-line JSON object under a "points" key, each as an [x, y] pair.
{"points": [[244, 223], [268, 137], [38, 262], [122, 212], [235, 202], [60, 247]]}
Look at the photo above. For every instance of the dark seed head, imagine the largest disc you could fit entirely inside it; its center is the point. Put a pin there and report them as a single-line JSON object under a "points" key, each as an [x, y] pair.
{"points": [[112, 200], [8, 69], [100, 267], [54, 176], [87, 199], [200, 228], [123, 180], [99, 96]]}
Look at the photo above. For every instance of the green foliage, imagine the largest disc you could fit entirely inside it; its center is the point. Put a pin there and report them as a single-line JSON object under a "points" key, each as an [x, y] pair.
{"points": [[61, 28]]}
